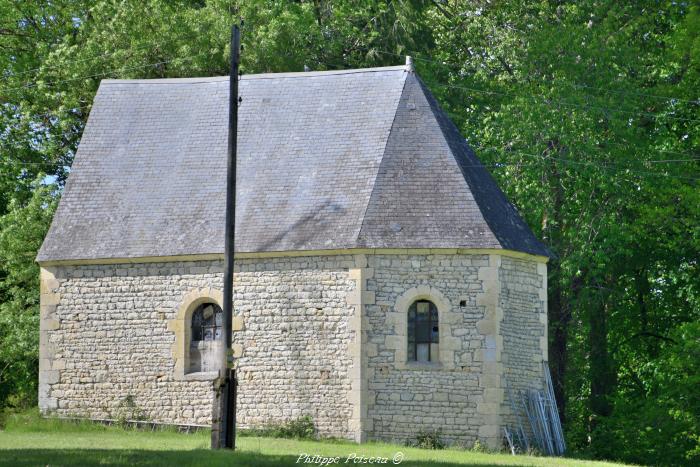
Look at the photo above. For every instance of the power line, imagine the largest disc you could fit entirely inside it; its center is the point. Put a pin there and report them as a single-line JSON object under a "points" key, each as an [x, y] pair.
{"points": [[86, 59], [541, 158], [546, 100], [493, 165], [630, 93], [416, 56], [549, 101], [691, 158], [588, 163], [672, 161], [103, 74], [456, 67], [453, 66], [665, 151], [642, 161], [510, 150], [72, 108]]}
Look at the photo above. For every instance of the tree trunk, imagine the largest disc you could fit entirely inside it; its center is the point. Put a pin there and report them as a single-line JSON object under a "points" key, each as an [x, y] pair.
{"points": [[558, 336], [643, 289], [558, 313], [602, 374]]}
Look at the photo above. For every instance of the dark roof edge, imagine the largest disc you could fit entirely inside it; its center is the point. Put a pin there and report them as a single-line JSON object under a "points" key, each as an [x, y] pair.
{"points": [[462, 151]]}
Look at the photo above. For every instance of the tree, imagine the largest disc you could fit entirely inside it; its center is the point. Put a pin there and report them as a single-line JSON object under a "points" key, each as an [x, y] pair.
{"points": [[22, 230], [586, 112], [567, 102]]}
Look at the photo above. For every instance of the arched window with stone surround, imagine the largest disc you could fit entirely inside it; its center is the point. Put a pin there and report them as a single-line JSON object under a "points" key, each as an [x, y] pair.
{"points": [[423, 332], [205, 338]]}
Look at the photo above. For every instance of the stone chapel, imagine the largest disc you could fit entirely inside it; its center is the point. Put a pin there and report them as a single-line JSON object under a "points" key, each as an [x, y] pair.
{"points": [[383, 282]]}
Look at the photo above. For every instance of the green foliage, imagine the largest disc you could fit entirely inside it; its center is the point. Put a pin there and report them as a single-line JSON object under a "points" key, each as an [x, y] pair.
{"points": [[299, 428], [429, 440], [585, 112], [478, 447], [664, 423], [31, 421], [22, 230], [566, 102], [128, 411]]}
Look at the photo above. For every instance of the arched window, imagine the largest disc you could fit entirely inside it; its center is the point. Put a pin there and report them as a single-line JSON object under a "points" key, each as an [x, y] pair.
{"points": [[205, 342], [423, 332]]}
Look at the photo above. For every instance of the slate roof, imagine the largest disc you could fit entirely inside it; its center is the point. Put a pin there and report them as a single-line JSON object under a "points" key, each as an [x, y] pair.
{"points": [[327, 160]]}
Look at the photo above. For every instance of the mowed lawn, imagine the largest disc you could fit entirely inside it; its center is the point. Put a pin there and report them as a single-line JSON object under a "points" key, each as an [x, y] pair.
{"points": [[54, 443]]}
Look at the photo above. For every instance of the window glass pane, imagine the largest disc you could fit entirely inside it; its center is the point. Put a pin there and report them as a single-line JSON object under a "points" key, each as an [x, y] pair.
{"points": [[422, 308], [423, 350], [207, 313], [422, 322], [434, 355], [206, 323], [197, 321], [206, 329], [422, 331]]}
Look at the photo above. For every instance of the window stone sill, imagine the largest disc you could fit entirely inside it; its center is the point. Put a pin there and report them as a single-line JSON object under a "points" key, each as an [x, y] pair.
{"points": [[201, 376]]}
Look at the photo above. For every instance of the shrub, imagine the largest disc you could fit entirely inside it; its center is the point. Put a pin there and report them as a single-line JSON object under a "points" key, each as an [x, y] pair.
{"points": [[300, 428], [478, 447], [22, 229], [128, 411], [429, 440]]}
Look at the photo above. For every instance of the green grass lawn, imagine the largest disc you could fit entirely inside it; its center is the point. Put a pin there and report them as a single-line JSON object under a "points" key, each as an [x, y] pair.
{"points": [[26, 441]]}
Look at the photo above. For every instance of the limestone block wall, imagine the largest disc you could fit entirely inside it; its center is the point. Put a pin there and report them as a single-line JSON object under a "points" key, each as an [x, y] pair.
{"points": [[105, 336], [407, 397], [113, 331], [523, 297], [295, 342], [463, 394], [321, 335]]}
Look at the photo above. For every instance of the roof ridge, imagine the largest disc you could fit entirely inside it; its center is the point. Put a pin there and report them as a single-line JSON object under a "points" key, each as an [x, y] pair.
{"points": [[283, 75], [379, 166]]}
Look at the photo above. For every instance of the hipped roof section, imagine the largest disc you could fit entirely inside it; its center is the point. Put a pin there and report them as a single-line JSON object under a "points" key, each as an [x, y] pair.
{"points": [[326, 161]]}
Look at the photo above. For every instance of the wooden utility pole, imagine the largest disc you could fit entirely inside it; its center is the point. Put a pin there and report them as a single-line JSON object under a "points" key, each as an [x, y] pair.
{"points": [[223, 433]]}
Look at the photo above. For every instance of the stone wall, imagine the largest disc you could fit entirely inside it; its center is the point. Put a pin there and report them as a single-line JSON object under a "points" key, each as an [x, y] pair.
{"points": [[408, 397], [524, 329], [111, 331], [481, 337], [295, 342], [323, 336], [107, 340]]}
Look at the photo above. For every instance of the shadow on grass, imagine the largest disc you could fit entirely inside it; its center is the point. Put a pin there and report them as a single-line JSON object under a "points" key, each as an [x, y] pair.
{"points": [[134, 457]]}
